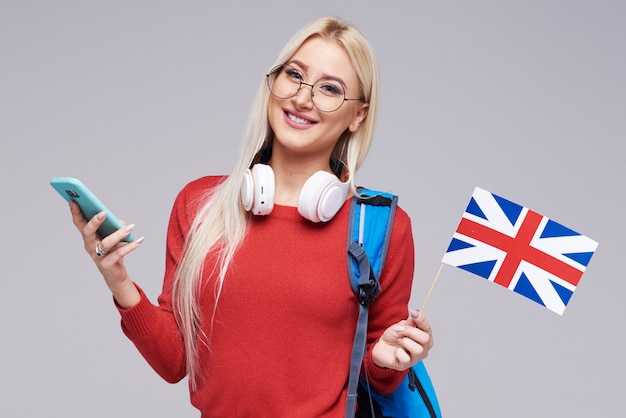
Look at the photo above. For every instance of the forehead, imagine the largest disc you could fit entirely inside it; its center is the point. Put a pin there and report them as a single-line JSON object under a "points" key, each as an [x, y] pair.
{"points": [[322, 57]]}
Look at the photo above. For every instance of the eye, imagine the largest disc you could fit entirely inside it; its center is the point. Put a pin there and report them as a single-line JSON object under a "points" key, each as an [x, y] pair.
{"points": [[293, 74], [329, 87]]}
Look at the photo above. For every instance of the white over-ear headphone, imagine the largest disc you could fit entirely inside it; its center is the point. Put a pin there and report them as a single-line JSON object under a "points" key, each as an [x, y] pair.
{"points": [[320, 199]]}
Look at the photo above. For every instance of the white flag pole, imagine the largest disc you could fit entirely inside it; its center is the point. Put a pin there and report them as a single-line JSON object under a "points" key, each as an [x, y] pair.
{"points": [[432, 286]]}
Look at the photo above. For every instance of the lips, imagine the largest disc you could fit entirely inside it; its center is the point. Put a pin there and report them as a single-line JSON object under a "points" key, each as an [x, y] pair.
{"points": [[298, 120]]}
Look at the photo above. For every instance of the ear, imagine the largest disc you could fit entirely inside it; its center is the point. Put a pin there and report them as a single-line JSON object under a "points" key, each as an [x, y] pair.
{"points": [[359, 117]]}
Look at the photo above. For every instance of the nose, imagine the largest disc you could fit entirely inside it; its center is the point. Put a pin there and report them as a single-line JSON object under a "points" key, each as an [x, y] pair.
{"points": [[303, 98]]}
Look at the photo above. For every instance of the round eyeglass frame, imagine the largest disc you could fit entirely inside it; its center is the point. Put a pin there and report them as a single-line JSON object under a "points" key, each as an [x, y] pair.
{"points": [[279, 67]]}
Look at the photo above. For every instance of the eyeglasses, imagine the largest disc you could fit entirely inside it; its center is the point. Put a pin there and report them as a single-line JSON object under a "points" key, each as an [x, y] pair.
{"points": [[327, 94]]}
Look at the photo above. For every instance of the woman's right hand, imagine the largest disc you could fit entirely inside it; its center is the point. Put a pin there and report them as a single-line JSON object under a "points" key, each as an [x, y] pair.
{"points": [[108, 254]]}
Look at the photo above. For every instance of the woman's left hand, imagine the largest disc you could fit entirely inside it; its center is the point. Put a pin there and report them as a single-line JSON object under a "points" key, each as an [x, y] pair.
{"points": [[403, 344]]}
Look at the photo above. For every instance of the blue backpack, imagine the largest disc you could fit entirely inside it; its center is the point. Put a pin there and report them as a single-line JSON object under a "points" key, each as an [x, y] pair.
{"points": [[369, 231]]}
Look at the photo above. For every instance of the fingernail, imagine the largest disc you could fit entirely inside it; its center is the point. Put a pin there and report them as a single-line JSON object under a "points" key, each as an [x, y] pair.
{"points": [[129, 228], [100, 216], [414, 313], [139, 240]]}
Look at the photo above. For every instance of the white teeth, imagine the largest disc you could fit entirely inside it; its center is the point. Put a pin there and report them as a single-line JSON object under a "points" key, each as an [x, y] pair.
{"points": [[297, 119]]}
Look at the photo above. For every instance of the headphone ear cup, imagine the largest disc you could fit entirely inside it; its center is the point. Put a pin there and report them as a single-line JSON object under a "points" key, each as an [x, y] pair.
{"points": [[247, 190], [257, 190], [322, 196]]}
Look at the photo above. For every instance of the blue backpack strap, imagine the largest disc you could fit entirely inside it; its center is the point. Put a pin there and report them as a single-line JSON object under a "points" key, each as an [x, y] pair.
{"points": [[369, 231]]}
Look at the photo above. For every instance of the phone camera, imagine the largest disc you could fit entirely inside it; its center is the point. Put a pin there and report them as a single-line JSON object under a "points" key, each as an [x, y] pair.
{"points": [[72, 193]]}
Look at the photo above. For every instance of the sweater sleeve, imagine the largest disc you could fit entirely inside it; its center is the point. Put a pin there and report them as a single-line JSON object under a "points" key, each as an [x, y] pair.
{"points": [[153, 328], [392, 303]]}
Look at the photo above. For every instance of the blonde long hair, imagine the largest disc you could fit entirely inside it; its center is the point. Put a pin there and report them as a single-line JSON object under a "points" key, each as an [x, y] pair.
{"points": [[220, 224]]}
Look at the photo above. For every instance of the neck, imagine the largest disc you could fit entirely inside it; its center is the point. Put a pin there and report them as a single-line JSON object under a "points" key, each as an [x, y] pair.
{"points": [[291, 174]]}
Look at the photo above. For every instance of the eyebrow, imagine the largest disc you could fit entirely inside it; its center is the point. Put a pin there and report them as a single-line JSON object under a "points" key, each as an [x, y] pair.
{"points": [[324, 75]]}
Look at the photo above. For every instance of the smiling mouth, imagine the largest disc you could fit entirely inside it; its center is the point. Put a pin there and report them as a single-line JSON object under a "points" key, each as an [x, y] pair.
{"points": [[298, 120]]}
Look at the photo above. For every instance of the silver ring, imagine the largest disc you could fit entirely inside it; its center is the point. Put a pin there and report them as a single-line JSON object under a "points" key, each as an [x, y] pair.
{"points": [[99, 251]]}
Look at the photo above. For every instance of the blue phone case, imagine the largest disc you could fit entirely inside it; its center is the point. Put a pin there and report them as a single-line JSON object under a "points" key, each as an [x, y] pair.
{"points": [[72, 189]]}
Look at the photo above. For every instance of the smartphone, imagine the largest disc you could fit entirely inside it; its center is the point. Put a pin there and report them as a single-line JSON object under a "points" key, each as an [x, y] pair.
{"points": [[72, 189]]}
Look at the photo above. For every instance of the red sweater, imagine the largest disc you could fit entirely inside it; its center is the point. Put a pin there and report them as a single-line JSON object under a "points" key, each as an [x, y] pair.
{"points": [[282, 337]]}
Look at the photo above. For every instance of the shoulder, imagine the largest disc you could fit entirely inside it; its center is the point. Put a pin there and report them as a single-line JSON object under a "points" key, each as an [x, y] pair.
{"points": [[202, 185], [194, 194], [189, 201], [402, 218], [402, 230], [199, 189]]}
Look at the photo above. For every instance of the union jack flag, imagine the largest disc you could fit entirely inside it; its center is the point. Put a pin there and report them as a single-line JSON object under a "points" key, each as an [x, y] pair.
{"points": [[519, 249]]}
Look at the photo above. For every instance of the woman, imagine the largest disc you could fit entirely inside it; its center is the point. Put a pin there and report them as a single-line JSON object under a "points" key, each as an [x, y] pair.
{"points": [[256, 308]]}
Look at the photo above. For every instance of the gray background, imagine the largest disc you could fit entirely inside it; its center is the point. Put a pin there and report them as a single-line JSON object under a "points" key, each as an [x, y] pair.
{"points": [[523, 98]]}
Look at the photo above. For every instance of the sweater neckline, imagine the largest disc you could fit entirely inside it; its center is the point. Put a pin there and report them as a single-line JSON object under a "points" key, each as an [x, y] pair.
{"points": [[285, 212], [291, 212]]}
